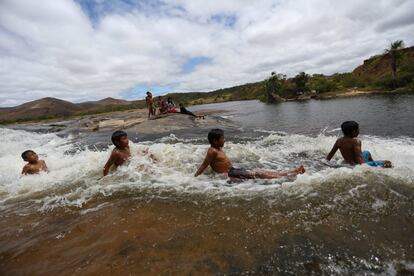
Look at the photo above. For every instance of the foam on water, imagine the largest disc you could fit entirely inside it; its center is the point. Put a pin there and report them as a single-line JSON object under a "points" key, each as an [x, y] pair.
{"points": [[75, 173]]}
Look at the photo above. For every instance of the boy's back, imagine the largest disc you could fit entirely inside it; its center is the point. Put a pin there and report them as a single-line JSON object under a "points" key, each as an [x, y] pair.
{"points": [[348, 145], [350, 149]]}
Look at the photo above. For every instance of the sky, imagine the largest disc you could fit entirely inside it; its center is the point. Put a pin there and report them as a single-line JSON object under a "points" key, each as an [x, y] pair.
{"points": [[81, 50]]}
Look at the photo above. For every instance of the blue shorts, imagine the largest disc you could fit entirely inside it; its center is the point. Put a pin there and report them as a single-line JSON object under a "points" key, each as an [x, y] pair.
{"points": [[365, 157]]}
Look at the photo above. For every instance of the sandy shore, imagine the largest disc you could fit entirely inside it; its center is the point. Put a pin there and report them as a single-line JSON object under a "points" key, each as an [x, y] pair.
{"points": [[357, 92]]}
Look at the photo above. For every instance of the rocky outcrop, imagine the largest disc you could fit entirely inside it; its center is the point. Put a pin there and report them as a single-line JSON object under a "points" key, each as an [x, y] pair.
{"points": [[275, 98]]}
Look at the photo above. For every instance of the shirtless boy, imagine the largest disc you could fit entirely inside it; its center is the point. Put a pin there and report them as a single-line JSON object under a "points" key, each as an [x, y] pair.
{"points": [[350, 148], [120, 153], [220, 163], [150, 103], [34, 165]]}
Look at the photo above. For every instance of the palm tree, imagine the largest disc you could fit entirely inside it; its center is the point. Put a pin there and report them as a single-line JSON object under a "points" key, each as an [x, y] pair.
{"points": [[395, 55]]}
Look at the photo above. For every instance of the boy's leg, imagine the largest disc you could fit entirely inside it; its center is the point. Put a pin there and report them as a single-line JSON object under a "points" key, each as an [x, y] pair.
{"points": [[273, 174], [378, 163], [366, 156]]}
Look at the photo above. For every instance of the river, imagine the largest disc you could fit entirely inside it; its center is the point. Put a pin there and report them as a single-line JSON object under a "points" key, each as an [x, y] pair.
{"points": [[156, 218]]}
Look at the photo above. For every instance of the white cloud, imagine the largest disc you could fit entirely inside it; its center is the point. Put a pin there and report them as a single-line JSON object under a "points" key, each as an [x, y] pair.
{"points": [[51, 48]]}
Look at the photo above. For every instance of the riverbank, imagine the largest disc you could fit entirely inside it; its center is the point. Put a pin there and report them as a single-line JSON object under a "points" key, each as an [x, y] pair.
{"points": [[360, 92], [137, 116]]}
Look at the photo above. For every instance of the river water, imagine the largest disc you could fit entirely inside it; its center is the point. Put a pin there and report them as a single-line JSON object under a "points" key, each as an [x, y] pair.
{"points": [[156, 218]]}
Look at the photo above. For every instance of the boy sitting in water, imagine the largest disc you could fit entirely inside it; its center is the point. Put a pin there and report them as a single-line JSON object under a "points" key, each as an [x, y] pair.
{"points": [[120, 153], [220, 163], [34, 165], [350, 148]]}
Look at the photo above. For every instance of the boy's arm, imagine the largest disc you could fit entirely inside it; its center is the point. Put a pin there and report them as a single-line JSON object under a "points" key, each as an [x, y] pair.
{"points": [[45, 168], [108, 164], [358, 152], [333, 151], [25, 169], [211, 154]]}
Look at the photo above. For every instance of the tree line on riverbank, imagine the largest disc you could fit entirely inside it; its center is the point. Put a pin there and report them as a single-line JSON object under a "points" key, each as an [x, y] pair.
{"points": [[394, 69]]}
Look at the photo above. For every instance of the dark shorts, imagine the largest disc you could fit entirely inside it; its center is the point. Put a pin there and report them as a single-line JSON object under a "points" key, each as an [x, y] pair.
{"points": [[240, 173]]}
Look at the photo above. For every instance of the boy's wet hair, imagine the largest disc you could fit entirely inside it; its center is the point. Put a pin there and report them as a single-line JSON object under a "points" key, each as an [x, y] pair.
{"points": [[215, 134], [116, 136], [26, 152], [348, 127]]}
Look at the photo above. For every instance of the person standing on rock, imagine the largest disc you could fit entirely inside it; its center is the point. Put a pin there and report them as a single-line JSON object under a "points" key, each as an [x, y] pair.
{"points": [[150, 104]]}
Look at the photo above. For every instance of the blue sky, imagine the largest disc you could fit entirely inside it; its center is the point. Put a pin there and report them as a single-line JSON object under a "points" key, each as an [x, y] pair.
{"points": [[93, 49], [139, 91], [191, 64]]}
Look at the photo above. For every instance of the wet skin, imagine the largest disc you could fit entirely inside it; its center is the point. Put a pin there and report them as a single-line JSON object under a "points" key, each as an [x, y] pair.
{"points": [[119, 155], [34, 165], [350, 148], [216, 158]]}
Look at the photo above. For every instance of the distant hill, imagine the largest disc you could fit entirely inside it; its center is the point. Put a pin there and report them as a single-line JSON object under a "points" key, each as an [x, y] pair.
{"points": [[249, 91], [41, 108], [104, 102], [49, 108], [379, 66]]}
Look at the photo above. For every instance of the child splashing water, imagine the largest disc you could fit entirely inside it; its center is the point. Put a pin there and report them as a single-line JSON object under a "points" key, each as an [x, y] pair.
{"points": [[120, 153], [350, 148], [34, 165], [220, 163]]}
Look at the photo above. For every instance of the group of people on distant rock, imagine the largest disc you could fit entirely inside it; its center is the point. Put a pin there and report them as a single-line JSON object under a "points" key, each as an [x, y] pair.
{"points": [[162, 106]]}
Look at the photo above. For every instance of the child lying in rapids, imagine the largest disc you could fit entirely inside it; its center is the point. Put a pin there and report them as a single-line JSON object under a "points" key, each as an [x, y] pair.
{"points": [[220, 163]]}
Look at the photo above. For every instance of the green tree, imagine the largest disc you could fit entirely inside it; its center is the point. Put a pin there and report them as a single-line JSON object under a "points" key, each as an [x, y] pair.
{"points": [[395, 55], [322, 84], [273, 86], [300, 80]]}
